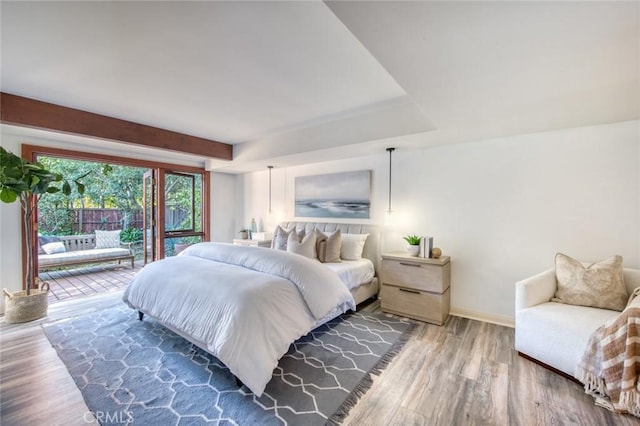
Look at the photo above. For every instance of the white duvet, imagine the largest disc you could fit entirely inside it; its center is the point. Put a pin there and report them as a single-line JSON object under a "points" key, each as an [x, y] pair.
{"points": [[244, 305]]}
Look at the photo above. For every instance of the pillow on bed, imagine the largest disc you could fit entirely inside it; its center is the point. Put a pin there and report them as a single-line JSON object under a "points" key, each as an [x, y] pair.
{"points": [[281, 235], [352, 246], [306, 247], [328, 246]]}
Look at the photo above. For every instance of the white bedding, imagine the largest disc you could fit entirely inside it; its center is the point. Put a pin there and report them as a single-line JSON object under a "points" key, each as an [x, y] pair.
{"points": [[244, 305], [353, 273]]}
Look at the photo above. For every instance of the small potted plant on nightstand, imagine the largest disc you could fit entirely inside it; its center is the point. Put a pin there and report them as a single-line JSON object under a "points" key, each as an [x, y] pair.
{"points": [[244, 234], [414, 244]]}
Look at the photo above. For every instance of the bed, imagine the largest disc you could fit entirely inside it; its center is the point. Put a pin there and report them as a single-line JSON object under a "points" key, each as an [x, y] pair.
{"points": [[229, 300], [364, 290]]}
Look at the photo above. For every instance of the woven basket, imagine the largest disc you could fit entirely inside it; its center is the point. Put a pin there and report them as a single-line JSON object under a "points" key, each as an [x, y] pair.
{"points": [[20, 307]]}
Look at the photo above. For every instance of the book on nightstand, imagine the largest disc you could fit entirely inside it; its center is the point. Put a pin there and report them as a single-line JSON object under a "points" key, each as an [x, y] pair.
{"points": [[426, 244]]}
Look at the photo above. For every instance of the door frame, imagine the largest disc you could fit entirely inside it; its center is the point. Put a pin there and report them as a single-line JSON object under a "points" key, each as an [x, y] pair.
{"points": [[149, 219], [31, 152], [157, 211]]}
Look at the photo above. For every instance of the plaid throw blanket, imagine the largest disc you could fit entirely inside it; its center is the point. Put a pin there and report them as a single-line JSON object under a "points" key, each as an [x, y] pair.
{"points": [[610, 365]]}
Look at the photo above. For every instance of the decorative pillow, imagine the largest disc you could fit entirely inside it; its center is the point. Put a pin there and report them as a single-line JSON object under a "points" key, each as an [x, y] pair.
{"points": [[107, 239], [279, 240], [280, 236], [328, 246], [55, 247], [306, 247], [600, 285], [42, 240], [352, 246]]}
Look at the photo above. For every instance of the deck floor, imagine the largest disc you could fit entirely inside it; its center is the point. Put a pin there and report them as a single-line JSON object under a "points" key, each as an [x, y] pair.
{"points": [[72, 283]]}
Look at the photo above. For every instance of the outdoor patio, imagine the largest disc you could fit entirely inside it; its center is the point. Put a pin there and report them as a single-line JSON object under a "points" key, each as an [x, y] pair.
{"points": [[78, 282]]}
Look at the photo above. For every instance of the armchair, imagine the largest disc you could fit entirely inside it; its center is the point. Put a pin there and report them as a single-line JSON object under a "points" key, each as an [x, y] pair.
{"points": [[556, 334]]}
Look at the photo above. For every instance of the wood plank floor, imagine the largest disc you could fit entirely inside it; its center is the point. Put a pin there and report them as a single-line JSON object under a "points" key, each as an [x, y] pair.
{"points": [[464, 373], [89, 280]]}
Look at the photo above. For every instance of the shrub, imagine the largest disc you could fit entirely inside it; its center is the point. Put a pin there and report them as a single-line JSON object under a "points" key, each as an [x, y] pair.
{"points": [[131, 235]]}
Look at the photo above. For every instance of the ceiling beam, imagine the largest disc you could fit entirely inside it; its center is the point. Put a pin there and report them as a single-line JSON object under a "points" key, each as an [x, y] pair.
{"points": [[26, 112]]}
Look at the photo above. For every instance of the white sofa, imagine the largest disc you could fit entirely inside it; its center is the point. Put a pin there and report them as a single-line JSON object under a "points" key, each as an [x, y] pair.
{"points": [[556, 334]]}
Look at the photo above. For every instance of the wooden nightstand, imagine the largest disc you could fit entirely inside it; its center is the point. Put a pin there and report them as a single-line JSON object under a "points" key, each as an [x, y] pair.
{"points": [[253, 243], [416, 287]]}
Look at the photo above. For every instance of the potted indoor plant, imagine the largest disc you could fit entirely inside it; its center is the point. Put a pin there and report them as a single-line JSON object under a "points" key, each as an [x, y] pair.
{"points": [[244, 234], [414, 244], [21, 180]]}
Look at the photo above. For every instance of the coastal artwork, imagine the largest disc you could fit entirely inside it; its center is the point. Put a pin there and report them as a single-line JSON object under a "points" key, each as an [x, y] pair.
{"points": [[337, 195]]}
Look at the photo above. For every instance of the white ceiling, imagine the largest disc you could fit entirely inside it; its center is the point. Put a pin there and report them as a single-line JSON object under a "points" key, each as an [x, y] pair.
{"points": [[295, 82]]}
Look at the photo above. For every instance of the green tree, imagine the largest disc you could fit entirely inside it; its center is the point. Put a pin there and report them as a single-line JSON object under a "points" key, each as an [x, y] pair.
{"points": [[107, 186]]}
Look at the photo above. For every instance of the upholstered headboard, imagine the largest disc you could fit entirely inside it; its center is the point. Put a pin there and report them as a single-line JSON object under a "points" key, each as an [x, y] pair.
{"points": [[371, 246]]}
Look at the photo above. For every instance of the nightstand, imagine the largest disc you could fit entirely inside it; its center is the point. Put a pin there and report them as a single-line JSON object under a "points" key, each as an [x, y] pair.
{"points": [[416, 287], [253, 243]]}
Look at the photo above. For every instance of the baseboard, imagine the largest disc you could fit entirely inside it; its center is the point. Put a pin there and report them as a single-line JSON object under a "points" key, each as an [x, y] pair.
{"points": [[550, 368], [482, 316]]}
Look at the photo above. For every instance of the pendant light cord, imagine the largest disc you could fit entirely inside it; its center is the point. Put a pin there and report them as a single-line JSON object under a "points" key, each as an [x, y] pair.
{"points": [[270, 167]]}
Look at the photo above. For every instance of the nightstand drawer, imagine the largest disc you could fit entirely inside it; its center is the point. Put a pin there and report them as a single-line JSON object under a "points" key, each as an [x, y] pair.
{"points": [[416, 275], [425, 306]]}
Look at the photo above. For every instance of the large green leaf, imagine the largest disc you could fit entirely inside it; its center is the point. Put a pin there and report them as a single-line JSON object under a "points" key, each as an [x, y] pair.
{"points": [[7, 195], [80, 187], [66, 188]]}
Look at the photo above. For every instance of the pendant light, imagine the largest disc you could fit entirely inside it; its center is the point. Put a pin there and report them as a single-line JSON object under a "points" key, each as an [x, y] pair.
{"points": [[390, 151]]}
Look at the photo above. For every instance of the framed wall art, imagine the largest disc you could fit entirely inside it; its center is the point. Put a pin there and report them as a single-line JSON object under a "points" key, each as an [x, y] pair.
{"points": [[337, 195]]}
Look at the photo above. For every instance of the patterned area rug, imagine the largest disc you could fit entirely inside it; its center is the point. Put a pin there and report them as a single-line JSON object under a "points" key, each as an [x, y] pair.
{"points": [[144, 374]]}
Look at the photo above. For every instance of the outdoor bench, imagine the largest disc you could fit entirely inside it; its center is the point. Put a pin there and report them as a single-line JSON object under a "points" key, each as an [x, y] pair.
{"points": [[80, 249]]}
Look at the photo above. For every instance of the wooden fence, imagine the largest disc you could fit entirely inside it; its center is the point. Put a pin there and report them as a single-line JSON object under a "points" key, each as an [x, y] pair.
{"points": [[85, 221], [88, 220]]}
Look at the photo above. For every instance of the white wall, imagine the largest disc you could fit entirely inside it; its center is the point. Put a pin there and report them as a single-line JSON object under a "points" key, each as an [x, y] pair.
{"points": [[500, 208], [10, 235], [223, 207]]}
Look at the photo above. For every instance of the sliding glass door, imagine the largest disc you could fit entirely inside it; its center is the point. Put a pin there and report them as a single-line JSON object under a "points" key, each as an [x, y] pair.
{"points": [[183, 208], [175, 202], [174, 210]]}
